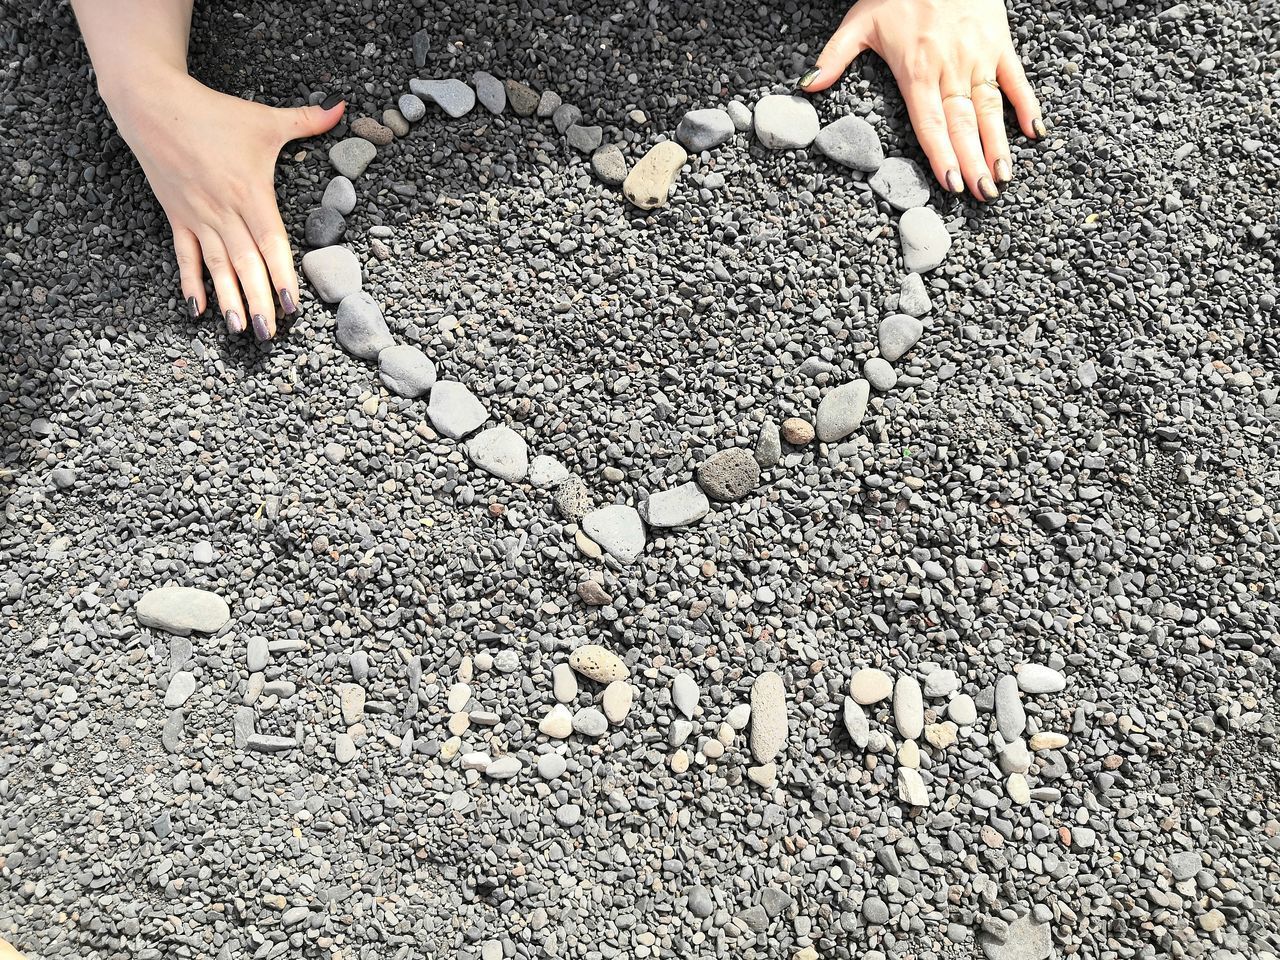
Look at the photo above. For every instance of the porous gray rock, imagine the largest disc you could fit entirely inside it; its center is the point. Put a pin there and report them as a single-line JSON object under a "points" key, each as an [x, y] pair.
{"points": [[899, 332], [678, 507], [785, 122], [618, 529], [706, 129], [182, 610], [901, 182], [454, 410], [334, 272], [1011, 718], [609, 165], [768, 717], [490, 91], [729, 475], [370, 129], [851, 142], [325, 227], [913, 298], [840, 412], [361, 329], [572, 499], [352, 156], [649, 182], [500, 451], [925, 240], [339, 195], [406, 370], [452, 96]]}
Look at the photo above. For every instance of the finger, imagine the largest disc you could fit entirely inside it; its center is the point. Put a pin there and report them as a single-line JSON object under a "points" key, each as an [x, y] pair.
{"points": [[1013, 81], [930, 124], [273, 243], [851, 38], [225, 284], [246, 259], [186, 250], [989, 107], [962, 126], [298, 123]]}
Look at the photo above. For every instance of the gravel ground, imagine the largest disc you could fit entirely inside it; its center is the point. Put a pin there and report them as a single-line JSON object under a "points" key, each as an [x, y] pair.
{"points": [[1065, 510]]}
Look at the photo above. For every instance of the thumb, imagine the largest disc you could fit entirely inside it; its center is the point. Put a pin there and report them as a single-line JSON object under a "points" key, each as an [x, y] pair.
{"points": [[298, 123], [851, 38]]}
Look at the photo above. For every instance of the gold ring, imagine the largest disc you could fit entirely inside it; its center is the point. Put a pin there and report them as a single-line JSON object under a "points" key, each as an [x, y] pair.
{"points": [[952, 96]]}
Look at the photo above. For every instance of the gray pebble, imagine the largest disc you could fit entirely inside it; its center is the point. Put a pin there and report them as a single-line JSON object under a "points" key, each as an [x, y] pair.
{"points": [[340, 195], [704, 129], [490, 91], [361, 329], [350, 157], [729, 475], [841, 411], [454, 410], [411, 107], [852, 142], [500, 451], [902, 183], [785, 122], [899, 332], [334, 272], [406, 370]]}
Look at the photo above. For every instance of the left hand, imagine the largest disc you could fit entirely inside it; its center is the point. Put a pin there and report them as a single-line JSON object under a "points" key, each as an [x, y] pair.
{"points": [[953, 60]]}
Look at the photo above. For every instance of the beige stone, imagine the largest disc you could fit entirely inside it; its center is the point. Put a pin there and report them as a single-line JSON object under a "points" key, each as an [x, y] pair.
{"points": [[651, 178]]}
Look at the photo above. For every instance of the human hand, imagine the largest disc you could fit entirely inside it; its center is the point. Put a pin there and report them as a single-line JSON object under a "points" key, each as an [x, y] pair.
{"points": [[952, 59], [210, 159]]}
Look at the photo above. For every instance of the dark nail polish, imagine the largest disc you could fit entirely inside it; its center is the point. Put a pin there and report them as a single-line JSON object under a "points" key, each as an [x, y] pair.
{"points": [[331, 101], [1003, 172], [234, 323], [955, 182], [192, 308], [286, 301], [1038, 126], [810, 75], [260, 327], [988, 189]]}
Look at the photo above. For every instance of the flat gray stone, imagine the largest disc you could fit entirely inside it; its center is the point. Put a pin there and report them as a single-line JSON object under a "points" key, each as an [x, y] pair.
{"points": [[182, 610], [913, 298], [242, 725], [325, 227], [729, 475], [925, 240], [339, 195], [851, 142], [769, 445], [902, 183], [546, 472], [584, 139], [350, 157], [1011, 718], [590, 722], [908, 707], [361, 329], [705, 129], [411, 107], [522, 97], [334, 272], [1185, 864], [785, 122], [841, 411], [684, 694], [406, 370], [566, 116], [1037, 678], [172, 732], [500, 451], [503, 768], [490, 91], [962, 711], [454, 410], [899, 332], [1026, 939], [181, 687], [609, 165], [880, 374], [452, 96], [700, 903], [677, 507], [768, 717], [618, 529], [740, 114], [548, 104], [269, 743], [344, 748], [855, 721], [257, 654]]}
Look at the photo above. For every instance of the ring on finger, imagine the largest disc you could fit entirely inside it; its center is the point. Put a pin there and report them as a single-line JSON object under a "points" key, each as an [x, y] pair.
{"points": [[952, 96], [990, 82]]}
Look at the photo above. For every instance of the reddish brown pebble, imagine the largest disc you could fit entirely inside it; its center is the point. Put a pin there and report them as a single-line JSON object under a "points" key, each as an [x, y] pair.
{"points": [[796, 431]]}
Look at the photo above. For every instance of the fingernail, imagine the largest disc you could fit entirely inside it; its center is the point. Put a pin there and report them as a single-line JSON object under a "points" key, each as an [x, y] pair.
{"points": [[955, 182], [988, 189], [331, 101], [234, 323], [1038, 126], [286, 301], [192, 308], [260, 327], [810, 75], [1003, 172]]}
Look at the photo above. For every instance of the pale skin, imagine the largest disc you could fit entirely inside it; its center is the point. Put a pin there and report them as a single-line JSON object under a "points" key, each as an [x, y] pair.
{"points": [[210, 158]]}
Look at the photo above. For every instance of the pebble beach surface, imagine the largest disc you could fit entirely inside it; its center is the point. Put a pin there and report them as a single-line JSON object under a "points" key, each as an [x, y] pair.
{"points": [[672, 528]]}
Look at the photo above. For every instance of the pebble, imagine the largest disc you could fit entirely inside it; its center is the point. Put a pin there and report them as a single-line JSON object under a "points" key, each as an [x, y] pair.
{"points": [[452, 96], [616, 701], [911, 788], [855, 722], [841, 411], [768, 717], [704, 129], [411, 107], [182, 610], [454, 410], [941, 735], [546, 472], [764, 775], [878, 372], [684, 694], [325, 226], [490, 91], [181, 687], [334, 272], [1025, 939], [584, 139], [874, 911], [1036, 678], [851, 142], [1011, 719], [598, 663], [270, 743], [899, 332], [503, 768], [361, 329], [394, 121], [740, 114], [566, 116], [572, 499], [650, 180], [609, 165], [352, 156], [590, 722], [785, 122], [699, 902], [406, 370], [913, 298], [769, 445], [522, 97], [739, 716], [370, 129], [902, 183], [257, 654], [962, 710], [564, 683], [344, 748], [924, 238], [552, 766], [729, 475], [908, 707], [870, 685], [459, 696], [677, 507], [548, 104], [558, 722], [500, 451], [797, 431], [339, 195], [618, 529]]}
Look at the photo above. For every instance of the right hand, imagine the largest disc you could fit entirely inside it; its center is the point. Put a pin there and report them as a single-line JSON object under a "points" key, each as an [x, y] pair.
{"points": [[210, 159]]}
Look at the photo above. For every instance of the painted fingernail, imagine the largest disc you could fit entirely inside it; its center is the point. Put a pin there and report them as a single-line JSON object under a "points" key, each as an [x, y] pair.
{"points": [[955, 182], [810, 75], [192, 308], [331, 101], [1038, 126], [260, 327], [987, 188], [286, 301], [234, 323], [1003, 172]]}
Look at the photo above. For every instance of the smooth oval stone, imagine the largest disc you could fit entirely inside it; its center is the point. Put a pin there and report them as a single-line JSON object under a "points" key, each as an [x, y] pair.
{"points": [[182, 610], [522, 97], [334, 272], [925, 240], [406, 370], [411, 107], [361, 329], [880, 374], [598, 663], [851, 142], [841, 411], [339, 195], [325, 227], [785, 122], [705, 129], [609, 165], [650, 180], [908, 707], [500, 451], [899, 332], [617, 700], [768, 717], [350, 157], [870, 685], [490, 91]]}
